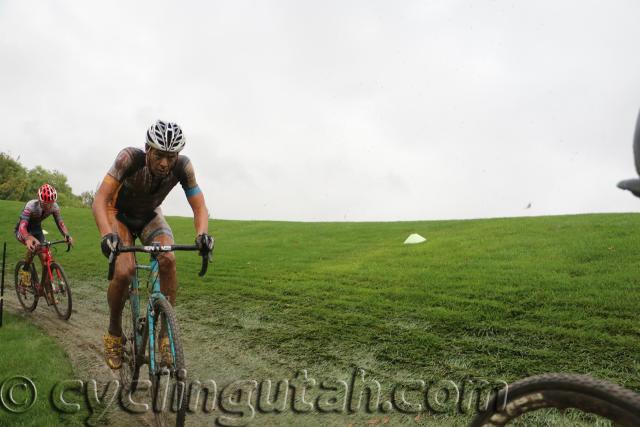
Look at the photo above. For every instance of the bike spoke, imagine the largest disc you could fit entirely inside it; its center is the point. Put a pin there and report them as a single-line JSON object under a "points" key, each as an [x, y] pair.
{"points": [[26, 292], [168, 378], [59, 292]]}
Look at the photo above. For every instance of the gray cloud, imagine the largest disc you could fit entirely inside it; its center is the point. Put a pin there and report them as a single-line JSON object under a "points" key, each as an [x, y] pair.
{"points": [[324, 111]]}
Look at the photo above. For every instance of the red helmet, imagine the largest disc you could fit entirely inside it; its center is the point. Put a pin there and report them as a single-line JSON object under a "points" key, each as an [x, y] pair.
{"points": [[47, 194]]}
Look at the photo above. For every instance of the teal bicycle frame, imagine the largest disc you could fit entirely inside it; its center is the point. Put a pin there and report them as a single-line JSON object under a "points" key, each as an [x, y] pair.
{"points": [[134, 297], [143, 331], [142, 325]]}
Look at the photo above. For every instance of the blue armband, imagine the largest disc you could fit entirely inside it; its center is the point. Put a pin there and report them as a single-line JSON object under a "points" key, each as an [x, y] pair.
{"points": [[190, 192]]}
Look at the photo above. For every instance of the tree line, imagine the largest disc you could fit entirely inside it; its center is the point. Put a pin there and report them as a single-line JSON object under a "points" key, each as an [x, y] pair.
{"points": [[19, 183]]}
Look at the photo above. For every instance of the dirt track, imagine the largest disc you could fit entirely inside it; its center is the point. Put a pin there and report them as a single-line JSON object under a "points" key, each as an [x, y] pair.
{"points": [[209, 355], [80, 337]]}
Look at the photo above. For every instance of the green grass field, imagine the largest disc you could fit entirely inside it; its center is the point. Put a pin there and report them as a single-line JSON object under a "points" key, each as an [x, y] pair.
{"points": [[28, 352], [496, 298]]}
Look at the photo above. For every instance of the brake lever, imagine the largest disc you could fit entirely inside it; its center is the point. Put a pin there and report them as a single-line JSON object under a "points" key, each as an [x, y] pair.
{"points": [[205, 264], [112, 265], [207, 258]]}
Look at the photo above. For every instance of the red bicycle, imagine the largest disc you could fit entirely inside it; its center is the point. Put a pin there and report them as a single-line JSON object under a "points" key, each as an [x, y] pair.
{"points": [[55, 290]]}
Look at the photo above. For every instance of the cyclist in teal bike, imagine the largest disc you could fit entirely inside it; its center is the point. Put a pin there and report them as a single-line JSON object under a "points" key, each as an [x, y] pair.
{"points": [[127, 206]]}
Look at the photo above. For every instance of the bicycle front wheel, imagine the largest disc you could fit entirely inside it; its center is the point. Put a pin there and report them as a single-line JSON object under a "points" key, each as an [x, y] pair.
{"points": [[27, 292], [167, 373], [60, 292], [131, 331], [564, 392]]}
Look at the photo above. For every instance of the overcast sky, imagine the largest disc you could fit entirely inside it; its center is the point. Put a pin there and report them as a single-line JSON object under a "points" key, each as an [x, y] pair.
{"points": [[336, 110]]}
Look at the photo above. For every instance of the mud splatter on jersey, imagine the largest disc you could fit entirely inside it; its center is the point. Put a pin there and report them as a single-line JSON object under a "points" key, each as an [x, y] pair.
{"points": [[140, 191]]}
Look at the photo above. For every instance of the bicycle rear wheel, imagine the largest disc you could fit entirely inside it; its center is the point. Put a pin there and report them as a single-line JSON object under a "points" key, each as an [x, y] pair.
{"points": [[168, 383], [27, 293], [60, 292], [561, 391]]}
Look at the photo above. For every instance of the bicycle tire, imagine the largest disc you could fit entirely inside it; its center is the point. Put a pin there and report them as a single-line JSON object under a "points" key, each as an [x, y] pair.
{"points": [[175, 416], [25, 294], [130, 371], [63, 290], [561, 391]]}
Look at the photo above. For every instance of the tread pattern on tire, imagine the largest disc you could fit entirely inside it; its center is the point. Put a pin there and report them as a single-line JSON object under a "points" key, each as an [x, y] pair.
{"points": [[130, 371], [63, 315], [562, 391], [164, 308], [34, 274]]}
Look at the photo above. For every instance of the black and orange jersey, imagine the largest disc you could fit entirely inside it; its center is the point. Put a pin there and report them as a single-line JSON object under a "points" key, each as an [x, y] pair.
{"points": [[140, 192]]}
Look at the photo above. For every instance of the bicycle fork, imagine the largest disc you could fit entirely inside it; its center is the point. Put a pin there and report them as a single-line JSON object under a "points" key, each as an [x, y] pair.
{"points": [[144, 327], [152, 316], [51, 290], [138, 321]]}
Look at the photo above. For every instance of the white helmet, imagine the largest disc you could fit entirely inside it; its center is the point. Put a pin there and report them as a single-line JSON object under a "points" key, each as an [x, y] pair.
{"points": [[165, 136]]}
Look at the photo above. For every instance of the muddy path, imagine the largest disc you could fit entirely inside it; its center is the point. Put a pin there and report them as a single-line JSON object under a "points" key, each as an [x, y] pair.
{"points": [[211, 355], [81, 339]]}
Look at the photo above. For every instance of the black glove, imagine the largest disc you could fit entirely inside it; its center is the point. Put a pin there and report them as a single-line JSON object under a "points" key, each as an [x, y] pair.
{"points": [[204, 242], [110, 243]]}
